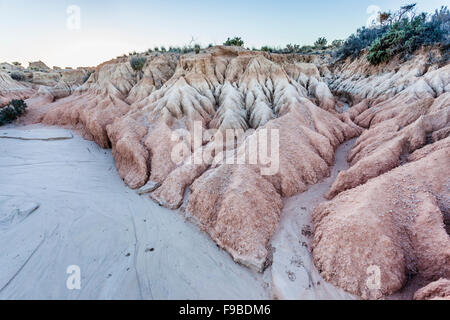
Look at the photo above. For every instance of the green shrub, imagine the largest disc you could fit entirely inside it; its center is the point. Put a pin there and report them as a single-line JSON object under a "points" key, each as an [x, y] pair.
{"points": [[409, 33], [292, 48], [320, 43], [18, 76], [197, 48], [137, 63], [13, 110], [267, 49], [359, 41], [337, 43], [236, 41]]}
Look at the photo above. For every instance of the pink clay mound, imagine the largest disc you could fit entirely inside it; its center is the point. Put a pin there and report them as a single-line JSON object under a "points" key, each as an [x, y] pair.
{"points": [[388, 214]]}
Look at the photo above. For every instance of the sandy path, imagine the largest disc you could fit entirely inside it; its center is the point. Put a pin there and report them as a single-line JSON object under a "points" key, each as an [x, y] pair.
{"points": [[294, 275], [62, 203]]}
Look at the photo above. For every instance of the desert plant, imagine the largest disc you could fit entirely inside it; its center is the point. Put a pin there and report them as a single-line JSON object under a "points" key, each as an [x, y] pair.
{"points": [[320, 43], [18, 76], [337, 43], [236, 41], [17, 64], [197, 48], [267, 49], [306, 49], [19, 105], [409, 33], [13, 110], [137, 63], [385, 18], [291, 48], [359, 41]]}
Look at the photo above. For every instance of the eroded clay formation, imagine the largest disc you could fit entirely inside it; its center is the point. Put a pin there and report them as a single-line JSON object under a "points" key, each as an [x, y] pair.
{"points": [[394, 219], [395, 210], [223, 88]]}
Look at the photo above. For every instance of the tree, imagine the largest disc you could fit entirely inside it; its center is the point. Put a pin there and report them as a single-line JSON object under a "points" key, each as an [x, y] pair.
{"points": [[385, 18], [320, 43], [236, 41], [337, 43], [406, 10], [137, 64], [13, 110]]}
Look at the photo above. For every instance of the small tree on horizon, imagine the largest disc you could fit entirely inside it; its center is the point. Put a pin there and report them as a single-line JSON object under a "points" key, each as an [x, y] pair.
{"points": [[236, 41], [321, 43]]}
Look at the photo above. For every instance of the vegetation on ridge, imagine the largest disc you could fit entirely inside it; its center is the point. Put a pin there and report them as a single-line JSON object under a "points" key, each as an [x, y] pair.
{"points": [[12, 111]]}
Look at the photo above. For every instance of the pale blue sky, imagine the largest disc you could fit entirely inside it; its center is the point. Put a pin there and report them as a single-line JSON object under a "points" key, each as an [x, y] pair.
{"points": [[33, 30]]}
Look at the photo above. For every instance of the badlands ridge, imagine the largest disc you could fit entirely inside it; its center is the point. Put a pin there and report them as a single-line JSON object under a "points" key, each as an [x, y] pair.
{"points": [[388, 212]]}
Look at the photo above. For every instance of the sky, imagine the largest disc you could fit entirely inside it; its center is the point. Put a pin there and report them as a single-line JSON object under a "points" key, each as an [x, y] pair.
{"points": [[85, 33]]}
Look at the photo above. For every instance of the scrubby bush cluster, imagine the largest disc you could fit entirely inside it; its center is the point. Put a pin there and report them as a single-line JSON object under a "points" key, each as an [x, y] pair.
{"points": [[399, 32], [236, 41], [321, 43], [12, 111], [137, 63], [18, 76], [409, 33], [359, 41], [182, 50]]}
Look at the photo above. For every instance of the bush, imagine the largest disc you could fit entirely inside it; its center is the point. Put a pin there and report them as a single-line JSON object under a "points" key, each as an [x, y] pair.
{"points": [[408, 34], [267, 49], [13, 110], [320, 43], [18, 76], [197, 48], [291, 48], [363, 38], [137, 63], [337, 43], [236, 41]]}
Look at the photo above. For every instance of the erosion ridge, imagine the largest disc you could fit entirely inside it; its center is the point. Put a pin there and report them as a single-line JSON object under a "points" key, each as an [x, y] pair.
{"points": [[399, 112], [394, 215]]}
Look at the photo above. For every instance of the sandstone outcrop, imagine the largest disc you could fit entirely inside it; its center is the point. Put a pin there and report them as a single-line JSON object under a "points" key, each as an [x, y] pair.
{"points": [[38, 66], [184, 131], [401, 107], [438, 290], [392, 222], [223, 88], [12, 89]]}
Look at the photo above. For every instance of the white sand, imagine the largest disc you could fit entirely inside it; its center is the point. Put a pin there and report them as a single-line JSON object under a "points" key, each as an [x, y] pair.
{"points": [[62, 203], [294, 275]]}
